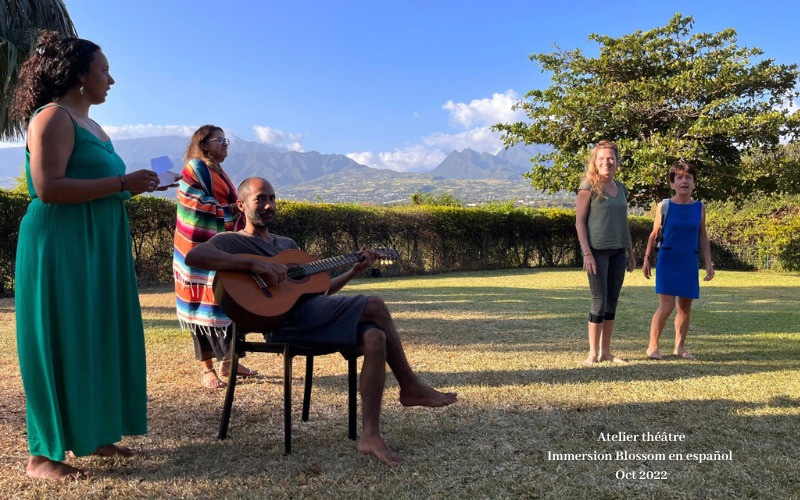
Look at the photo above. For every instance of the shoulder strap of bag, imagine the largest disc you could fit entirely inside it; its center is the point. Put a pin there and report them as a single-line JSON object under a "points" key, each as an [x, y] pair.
{"points": [[664, 210]]}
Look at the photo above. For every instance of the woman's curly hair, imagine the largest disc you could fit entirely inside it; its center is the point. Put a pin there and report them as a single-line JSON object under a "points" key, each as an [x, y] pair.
{"points": [[53, 68]]}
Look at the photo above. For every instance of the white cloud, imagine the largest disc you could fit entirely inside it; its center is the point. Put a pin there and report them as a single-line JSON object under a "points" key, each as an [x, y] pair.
{"points": [[435, 147], [295, 146], [486, 111], [416, 158], [275, 137], [789, 105], [480, 139], [148, 130]]}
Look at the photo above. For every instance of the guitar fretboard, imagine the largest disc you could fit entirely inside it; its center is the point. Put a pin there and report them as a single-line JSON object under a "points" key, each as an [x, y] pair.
{"points": [[318, 266]]}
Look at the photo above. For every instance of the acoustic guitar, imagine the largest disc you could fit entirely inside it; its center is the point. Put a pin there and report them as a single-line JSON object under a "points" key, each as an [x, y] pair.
{"points": [[252, 304]]}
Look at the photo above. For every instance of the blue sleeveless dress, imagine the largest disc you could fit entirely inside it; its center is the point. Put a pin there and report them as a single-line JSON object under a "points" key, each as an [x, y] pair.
{"points": [[79, 325], [678, 259]]}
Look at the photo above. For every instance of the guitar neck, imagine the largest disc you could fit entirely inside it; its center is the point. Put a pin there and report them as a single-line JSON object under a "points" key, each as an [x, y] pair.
{"points": [[319, 266]]}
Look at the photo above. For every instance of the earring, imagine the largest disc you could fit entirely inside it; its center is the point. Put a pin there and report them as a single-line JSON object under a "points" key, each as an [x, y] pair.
{"points": [[83, 90]]}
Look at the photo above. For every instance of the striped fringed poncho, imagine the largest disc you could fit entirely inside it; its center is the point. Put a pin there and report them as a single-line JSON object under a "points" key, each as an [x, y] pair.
{"points": [[204, 199]]}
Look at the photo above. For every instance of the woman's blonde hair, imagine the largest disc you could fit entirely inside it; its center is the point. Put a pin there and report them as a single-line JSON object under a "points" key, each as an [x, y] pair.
{"points": [[592, 175], [196, 148]]}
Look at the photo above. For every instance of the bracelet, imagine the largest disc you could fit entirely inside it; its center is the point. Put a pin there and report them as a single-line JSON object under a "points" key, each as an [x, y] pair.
{"points": [[586, 254], [122, 183]]}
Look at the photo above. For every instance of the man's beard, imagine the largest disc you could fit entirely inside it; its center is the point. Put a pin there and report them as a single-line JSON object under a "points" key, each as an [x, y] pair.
{"points": [[260, 221]]}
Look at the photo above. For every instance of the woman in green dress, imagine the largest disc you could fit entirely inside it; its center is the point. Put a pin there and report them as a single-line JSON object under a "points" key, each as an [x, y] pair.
{"points": [[79, 326]]}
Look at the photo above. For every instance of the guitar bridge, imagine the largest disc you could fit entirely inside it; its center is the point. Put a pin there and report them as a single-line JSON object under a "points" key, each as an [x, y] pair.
{"points": [[262, 284]]}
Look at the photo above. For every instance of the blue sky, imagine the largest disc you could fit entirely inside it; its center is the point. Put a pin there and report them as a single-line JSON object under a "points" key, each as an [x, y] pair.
{"points": [[392, 84]]}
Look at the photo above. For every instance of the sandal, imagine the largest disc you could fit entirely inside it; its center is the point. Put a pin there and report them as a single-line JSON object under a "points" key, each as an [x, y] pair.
{"points": [[214, 383], [241, 371]]}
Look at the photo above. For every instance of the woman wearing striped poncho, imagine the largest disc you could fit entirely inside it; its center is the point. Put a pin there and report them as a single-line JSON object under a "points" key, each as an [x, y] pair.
{"points": [[206, 206]]}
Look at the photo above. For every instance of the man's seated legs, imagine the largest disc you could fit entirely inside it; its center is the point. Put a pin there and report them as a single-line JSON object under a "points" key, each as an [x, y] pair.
{"points": [[380, 345], [412, 391], [373, 377]]}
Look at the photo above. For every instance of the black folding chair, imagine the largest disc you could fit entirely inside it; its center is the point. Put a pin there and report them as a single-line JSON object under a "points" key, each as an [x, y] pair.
{"points": [[289, 351]]}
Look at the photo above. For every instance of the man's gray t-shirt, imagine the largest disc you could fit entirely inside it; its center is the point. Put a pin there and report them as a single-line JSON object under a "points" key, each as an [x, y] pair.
{"points": [[242, 242], [320, 319]]}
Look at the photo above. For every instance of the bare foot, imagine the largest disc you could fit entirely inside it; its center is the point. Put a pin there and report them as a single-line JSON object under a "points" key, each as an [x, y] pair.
{"points": [[113, 450], [377, 446], [210, 380], [613, 359], [589, 361], [685, 354], [423, 395], [241, 370], [109, 450], [43, 468], [654, 355]]}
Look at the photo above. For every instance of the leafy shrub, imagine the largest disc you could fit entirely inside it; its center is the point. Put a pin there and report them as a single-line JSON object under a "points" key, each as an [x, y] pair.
{"points": [[152, 222], [764, 233], [13, 206]]}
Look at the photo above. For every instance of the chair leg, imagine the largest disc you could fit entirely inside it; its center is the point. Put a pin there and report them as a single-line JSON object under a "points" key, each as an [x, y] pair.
{"points": [[287, 400], [307, 391], [352, 394], [228, 405]]}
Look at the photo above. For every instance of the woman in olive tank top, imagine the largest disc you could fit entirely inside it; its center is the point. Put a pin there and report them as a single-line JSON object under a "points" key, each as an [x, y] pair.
{"points": [[601, 220]]}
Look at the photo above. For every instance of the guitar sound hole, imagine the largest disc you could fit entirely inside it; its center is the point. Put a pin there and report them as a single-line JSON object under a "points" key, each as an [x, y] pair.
{"points": [[296, 273]]}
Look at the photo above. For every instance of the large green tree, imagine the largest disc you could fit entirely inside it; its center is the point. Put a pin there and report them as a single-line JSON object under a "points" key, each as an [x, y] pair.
{"points": [[663, 95], [20, 21]]}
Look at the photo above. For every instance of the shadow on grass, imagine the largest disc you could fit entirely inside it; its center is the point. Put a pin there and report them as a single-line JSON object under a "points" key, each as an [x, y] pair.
{"points": [[158, 289], [653, 372], [672, 368], [162, 324], [159, 311], [730, 309], [464, 315], [515, 445]]}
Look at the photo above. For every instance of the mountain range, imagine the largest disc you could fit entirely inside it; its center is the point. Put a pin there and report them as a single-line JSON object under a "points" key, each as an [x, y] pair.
{"points": [[313, 176]]}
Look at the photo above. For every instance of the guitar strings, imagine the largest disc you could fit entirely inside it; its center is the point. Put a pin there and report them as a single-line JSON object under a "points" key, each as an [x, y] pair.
{"points": [[303, 270]]}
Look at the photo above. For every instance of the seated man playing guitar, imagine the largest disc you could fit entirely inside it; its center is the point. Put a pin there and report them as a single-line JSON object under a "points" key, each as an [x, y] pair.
{"points": [[359, 322]]}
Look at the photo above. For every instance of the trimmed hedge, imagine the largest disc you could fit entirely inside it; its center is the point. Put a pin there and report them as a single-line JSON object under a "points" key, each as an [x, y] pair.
{"points": [[433, 239], [12, 208], [763, 233]]}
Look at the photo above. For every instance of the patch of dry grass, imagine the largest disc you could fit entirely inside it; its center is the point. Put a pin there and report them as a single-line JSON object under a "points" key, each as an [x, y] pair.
{"points": [[510, 342]]}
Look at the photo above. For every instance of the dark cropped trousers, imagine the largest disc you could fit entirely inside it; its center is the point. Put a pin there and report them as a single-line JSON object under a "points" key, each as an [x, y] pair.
{"points": [[606, 283]]}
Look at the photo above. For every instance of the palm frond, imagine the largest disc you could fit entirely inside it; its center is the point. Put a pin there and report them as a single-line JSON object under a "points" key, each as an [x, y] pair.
{"points": [[20, 21]]}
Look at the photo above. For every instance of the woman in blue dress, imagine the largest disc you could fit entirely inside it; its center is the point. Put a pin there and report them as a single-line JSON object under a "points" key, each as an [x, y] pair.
{"points": [[677, 268]]}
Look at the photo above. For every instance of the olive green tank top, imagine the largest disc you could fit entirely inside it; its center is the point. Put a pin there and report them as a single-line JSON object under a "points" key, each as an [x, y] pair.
{"points": [[607, 220]]}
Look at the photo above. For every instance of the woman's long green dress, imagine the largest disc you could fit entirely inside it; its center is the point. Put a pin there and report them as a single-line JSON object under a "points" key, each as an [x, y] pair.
{"points": [[79, 325]]}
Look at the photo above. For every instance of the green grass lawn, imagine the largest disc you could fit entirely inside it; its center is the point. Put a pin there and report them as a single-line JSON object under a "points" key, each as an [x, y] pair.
{"points": [[510, 342]]}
